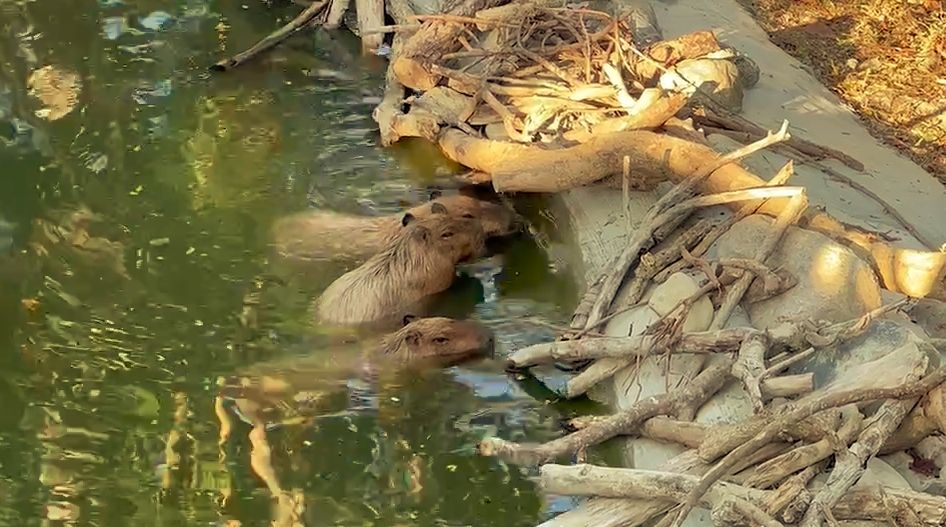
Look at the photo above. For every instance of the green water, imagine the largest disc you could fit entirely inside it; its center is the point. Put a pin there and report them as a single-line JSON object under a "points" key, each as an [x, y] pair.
{"points": [[115, 327]]}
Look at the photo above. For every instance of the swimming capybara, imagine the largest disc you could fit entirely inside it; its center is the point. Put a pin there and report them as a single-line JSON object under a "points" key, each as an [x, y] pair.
{"points": [[412, 267], [322, 235], [300, 389]]}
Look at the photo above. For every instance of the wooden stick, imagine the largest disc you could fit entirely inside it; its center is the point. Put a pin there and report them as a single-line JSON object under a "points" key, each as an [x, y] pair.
{"points": [[727, 340], [787, 385], [735, 292], [886, 504], [720, 115], [750, 366], [777, 468], [370, 14], [659, 428], [652, 263], [301, 21], [336, 12], [701, 388], [793, 413]]}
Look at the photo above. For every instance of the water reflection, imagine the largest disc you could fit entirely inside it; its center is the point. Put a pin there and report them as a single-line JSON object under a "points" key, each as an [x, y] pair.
{"points": [[136, 197]]}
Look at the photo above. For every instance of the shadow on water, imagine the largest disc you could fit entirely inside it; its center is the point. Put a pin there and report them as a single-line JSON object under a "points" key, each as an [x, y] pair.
{"points": [[136, 197]]}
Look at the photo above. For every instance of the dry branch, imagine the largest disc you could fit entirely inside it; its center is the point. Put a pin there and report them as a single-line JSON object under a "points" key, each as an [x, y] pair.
{"points": [[697, 392], [627, 347], [774, 470], [794, 413], [721, 117], [300, 22], [665, 210]]}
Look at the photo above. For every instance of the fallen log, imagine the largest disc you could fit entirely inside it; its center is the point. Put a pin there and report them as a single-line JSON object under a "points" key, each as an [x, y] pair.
{"points": [[652, 158]]}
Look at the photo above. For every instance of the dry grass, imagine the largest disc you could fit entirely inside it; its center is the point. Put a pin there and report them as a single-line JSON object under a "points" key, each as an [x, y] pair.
{"points": [[885, 58]]}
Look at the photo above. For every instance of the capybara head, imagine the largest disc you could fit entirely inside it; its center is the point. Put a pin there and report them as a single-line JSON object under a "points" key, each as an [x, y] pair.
{"points": [[438, 341], [496, 219], [459, 239]]}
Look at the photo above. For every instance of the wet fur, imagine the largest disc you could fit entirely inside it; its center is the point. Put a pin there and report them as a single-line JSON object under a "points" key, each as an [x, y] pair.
{"points": [[412, 267]]}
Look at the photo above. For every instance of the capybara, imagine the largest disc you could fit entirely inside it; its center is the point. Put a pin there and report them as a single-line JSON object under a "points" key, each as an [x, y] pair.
{"points": [[300, 389], [394, 282], [323, 235]]}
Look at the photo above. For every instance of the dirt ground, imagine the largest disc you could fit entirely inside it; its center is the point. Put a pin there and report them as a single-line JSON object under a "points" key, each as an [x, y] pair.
{"points": [[885, 58]]}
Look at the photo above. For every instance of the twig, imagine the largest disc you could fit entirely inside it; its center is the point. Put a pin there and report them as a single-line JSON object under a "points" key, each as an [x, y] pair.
{"points": [[793, 413], [643, 236], [509, 120], [301, 21], [652, 263], [781, 365]]}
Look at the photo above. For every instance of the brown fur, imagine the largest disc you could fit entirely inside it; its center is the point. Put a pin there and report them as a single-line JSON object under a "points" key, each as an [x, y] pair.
{"points": [[417, 264], [319, 235]]}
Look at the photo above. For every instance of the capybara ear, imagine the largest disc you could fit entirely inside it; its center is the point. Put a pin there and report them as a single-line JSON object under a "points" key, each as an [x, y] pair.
{"points": [[409, 318], [435, 193], [408, 217], [438, 208]]}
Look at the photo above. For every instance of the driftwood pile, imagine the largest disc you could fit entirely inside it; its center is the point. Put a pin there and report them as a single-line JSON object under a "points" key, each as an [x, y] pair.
{"points": [[537, 96]]}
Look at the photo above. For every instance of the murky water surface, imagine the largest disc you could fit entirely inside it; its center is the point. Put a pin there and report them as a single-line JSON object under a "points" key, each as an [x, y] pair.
{"points": [[136, 194]]}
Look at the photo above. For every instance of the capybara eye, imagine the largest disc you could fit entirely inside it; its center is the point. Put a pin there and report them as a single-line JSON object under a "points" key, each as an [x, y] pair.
{"points": [[441, 340], [468, 216], [447, 234]]}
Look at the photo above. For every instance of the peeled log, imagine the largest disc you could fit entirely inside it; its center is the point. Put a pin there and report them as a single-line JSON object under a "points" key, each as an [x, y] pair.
{"points": [[653, 157], [370, 15]]}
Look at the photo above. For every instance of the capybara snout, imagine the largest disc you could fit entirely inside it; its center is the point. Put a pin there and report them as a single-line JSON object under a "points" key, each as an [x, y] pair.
{"points": [[440, 341]]}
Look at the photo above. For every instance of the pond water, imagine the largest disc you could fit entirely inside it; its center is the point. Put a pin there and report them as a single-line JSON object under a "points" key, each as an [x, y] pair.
{"points": [[135, 206]]}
